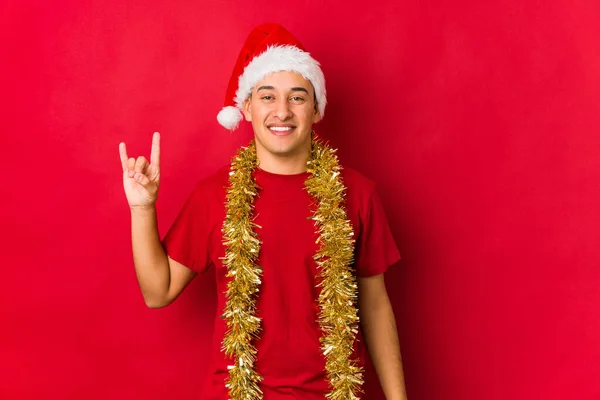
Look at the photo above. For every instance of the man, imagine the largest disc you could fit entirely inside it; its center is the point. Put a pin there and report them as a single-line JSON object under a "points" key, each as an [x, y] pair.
{"points": [[299, 245]]}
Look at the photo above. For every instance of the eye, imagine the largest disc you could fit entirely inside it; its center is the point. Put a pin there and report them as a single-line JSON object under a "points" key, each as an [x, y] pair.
{"points": [[297, 99], [266, 97]]}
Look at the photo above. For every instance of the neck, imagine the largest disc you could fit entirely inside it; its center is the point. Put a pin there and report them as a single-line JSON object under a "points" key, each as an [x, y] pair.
{"points": [[284, 164]]}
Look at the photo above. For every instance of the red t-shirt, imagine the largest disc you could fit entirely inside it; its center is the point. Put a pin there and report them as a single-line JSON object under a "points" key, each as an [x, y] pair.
{"points": [[289, 356]]}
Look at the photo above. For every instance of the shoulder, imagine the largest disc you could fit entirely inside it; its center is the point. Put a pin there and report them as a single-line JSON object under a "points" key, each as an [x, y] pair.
{"points": [[216, 179], [213, 185], [357, 183], [359, 192]]}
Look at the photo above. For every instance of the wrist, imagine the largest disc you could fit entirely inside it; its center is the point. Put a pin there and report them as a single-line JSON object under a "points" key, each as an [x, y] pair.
{"points": [[143, 209]]}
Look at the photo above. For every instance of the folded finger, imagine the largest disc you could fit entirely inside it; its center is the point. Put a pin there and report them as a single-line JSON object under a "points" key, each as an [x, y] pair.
{"points": [[141, 164], [141, 178]]}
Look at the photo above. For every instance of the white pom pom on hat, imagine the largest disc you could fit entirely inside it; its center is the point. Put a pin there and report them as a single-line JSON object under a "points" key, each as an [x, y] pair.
{"points": [[229, 117], [269, 48]]}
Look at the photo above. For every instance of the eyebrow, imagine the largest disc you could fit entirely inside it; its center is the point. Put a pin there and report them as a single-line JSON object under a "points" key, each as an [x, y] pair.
{"points": [[294, 89]]}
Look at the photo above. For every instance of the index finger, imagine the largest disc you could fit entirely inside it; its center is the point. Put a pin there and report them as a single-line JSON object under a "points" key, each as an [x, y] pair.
{"points": [[155, 151], [123, 154]]}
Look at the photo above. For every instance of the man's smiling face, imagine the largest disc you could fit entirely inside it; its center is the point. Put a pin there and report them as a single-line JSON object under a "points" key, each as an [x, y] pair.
{"points": [[282, 110]]}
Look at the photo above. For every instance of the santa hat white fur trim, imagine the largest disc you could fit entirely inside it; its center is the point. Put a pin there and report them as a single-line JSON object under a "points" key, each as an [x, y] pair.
{"points": [[275, 59]]}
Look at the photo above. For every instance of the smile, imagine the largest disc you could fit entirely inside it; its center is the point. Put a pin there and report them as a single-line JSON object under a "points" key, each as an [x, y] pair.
{"points": [[281, 130]]}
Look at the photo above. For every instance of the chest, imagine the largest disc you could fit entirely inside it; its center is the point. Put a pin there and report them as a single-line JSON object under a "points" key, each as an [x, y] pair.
{"points": [[285, 222]]}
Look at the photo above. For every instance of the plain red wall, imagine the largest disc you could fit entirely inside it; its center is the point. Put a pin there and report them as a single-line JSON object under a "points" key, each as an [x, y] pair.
{"points": [[479, 120]]}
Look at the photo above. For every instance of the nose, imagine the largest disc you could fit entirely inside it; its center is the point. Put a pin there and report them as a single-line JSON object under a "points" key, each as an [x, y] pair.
{"points": [[283, 110]]}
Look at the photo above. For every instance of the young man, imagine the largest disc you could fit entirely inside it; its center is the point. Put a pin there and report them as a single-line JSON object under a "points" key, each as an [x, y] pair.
{"points": [[298, 243]]}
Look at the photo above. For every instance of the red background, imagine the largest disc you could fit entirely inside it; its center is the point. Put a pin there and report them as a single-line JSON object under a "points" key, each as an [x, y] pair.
{"points": [[479, 120]]}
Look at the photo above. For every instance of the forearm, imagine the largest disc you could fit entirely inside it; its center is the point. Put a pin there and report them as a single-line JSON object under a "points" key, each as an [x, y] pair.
{"points": [[379, 329], [151, 261]]}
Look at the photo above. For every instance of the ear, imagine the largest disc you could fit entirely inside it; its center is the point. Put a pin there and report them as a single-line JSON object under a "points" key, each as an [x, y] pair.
{"points": [[246, 108], [316, 114]]}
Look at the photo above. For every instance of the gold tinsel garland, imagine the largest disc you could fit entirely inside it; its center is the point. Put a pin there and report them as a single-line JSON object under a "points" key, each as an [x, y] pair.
{"points": [[338, 314]]}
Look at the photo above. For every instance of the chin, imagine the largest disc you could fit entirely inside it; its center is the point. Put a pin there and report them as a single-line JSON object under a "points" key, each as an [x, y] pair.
{"points": [[283, 145], [282, 151]]}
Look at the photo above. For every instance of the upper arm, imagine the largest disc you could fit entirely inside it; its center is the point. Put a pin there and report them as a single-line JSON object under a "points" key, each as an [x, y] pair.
{"points": [[375, 246], [180, 276], [371, 291]]}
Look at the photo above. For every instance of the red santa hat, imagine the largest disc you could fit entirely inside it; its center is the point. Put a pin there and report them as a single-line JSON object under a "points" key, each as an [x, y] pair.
{"points": [[269, 48]]}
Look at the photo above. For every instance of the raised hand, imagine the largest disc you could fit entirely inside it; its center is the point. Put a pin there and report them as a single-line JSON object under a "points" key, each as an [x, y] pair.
{"points": [[140, 178]]}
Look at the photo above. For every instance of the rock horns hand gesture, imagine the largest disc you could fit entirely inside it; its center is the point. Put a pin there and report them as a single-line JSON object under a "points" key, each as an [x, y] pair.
{"points": [[140, 178]]}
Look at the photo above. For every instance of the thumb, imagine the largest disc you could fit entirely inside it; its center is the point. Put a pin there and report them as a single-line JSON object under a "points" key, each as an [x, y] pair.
{"points": [[141, 179]]}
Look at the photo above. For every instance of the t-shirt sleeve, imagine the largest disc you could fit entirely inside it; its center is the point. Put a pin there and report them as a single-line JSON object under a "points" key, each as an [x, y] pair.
{"points": [[376, 249], [187, 240]]}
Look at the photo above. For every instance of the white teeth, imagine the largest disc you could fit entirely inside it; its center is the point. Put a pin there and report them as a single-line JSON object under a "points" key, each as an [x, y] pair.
{"points": [[281, 128]]}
